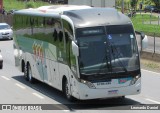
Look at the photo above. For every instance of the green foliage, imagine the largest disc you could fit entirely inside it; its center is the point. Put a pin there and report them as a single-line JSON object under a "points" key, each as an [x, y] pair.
{"points": [[30, 4], [15, 4], [156, 2], [148, 29], [134, 4]]}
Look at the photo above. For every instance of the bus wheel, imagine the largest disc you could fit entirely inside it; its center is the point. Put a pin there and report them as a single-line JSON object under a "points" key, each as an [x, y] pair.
{"points": [[1, 66], [66, 91], [25, 72], [29, 74]]}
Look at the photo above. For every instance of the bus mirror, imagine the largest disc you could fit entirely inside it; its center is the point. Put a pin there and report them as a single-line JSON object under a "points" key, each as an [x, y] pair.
{"points": [[144, 42], [142, 35], [75, 49]]}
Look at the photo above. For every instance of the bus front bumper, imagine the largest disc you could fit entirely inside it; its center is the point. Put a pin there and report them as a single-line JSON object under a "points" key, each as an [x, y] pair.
{"points": [[86, 93]]}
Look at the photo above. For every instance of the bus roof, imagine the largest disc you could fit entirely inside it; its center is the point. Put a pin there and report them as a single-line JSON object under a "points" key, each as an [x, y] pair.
{"points": [[82, 16], [50, 10], [97, 17]]}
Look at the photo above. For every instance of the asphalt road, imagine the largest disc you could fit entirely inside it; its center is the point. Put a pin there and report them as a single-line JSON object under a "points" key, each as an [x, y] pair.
{"points": [[15, 90]]}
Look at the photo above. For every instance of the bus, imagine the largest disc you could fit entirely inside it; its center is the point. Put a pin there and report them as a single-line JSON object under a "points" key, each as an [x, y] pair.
{"points": [[83, 51]]}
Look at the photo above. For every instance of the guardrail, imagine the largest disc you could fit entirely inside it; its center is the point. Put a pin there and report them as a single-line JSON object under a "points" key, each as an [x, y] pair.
{"points": [[152, 52], [7, 19]]}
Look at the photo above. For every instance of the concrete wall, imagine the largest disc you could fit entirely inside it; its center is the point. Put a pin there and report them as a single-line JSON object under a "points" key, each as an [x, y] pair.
{"points": [[150, 56], [95, 3]]}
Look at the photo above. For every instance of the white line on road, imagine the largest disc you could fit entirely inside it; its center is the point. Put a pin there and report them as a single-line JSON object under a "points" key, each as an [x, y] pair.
{"points": [[152, 101], [5, 78], [37, 95], [66, 110], [19, 85], [151, 71]]}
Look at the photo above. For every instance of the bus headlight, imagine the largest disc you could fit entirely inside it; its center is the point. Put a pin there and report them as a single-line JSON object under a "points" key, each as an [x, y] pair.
{"points": [[135, 79], [89, 84]]}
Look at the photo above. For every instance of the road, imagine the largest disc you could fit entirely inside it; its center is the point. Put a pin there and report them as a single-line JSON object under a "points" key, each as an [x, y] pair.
{"points": [[15, 90]]}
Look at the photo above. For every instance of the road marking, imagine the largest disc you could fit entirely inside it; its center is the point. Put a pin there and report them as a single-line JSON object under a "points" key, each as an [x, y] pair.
{"points": [[66, 110], [37, 95], [19, 85], [151, 71], [5, 78], [152, 101]]}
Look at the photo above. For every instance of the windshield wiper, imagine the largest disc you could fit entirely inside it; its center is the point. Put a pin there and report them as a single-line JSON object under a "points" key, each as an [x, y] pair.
{"points": [[114, 49], [107, 61]]}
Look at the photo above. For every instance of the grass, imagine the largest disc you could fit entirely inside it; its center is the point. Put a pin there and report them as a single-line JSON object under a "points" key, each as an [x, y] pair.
{"points": [[14, 4], [150, 65], [148, 28]]}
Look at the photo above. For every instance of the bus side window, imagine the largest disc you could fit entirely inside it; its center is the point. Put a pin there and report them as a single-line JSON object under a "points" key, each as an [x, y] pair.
{"points": [[31, 21], [60, 36], [55, 35], [66, 37], [44, 21], [72, 60]]}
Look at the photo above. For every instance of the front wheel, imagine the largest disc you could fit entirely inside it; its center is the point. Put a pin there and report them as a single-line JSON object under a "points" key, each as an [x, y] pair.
{"points": [[1, 66], [67, 92]]}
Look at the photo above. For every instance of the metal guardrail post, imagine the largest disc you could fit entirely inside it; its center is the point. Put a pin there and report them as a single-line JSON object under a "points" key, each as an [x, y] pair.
{"points": [[154, 43], [142, 20], [141, 44], [158, 20], [150, 18]]}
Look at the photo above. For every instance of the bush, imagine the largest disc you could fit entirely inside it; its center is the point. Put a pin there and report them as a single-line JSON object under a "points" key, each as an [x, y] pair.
{"points": [[30, 5]]}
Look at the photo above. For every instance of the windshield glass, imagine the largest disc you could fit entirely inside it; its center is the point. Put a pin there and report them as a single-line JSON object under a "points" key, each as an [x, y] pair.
{"points": [[4, 27], [92, 49], [107, 50], [123, 48]]}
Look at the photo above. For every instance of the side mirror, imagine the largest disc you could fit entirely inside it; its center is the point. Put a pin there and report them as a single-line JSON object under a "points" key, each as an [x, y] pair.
{"points": [[75, 49], [144, 41]]}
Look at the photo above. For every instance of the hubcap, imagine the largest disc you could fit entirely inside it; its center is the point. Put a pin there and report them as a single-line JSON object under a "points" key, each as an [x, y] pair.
{"points": [[67, 89], [30, 73]]}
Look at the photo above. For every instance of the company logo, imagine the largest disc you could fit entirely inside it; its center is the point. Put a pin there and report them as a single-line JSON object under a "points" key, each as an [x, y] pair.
{"points": [[123, 80], [38, 51]]}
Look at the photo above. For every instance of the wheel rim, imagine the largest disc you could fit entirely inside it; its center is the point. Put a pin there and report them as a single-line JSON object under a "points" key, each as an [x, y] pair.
{"points": [[30, 74], [67, 90]]}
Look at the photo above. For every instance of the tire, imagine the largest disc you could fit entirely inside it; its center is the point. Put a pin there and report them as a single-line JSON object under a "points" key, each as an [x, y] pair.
{"points": [[1, 66], [122, 97], [25, 73], [66, 91], [28, 74]]}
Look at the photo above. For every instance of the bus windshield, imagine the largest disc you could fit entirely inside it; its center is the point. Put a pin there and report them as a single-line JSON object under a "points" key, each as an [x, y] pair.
{"points": [[107, 50]]}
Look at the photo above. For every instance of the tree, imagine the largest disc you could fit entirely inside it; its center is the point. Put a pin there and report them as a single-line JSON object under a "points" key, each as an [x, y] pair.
{"points": [[156, 2], [134, 4]]}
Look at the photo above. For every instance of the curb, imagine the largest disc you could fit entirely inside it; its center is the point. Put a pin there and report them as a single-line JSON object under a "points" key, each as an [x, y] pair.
{"points": [[150, 56]]}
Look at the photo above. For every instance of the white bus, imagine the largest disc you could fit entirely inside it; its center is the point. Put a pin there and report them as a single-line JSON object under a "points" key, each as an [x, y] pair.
{"points": [[86, 52]]}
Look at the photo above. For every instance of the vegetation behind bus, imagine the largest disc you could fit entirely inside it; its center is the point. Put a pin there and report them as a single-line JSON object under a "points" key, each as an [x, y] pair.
{"points": [[15, 4]]}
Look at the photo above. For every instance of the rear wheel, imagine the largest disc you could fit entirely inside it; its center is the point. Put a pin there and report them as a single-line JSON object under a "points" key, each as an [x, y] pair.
{"points": [[25, 73], [29, 74]]}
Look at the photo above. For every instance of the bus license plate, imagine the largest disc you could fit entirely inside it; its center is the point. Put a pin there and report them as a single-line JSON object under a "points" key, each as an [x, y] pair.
{"points": [[113, 92]]}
